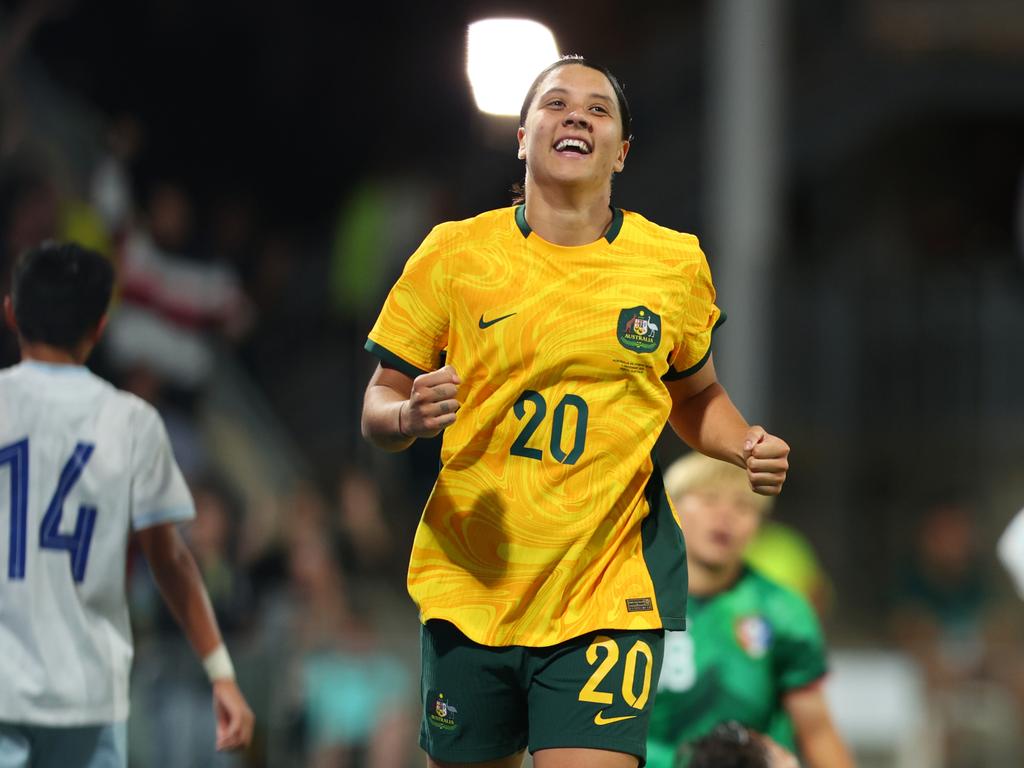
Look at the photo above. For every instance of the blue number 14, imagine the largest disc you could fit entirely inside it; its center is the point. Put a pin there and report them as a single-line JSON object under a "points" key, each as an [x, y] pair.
{"points": [[50, 537]]}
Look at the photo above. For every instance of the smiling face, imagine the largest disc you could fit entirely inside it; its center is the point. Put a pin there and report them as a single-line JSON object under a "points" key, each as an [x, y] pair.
{"points": [[572, 134]]}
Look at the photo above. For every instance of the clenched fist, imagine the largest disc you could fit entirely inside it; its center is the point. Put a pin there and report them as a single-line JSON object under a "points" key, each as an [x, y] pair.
{"points": [[431, 405], [767, 460]]}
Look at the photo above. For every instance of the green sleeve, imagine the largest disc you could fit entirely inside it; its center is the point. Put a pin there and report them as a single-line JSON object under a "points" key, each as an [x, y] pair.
{"points": [[800, 645]]}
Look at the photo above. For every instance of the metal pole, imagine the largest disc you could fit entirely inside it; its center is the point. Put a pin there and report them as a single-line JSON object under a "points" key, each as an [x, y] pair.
{"points": [[743, 191]]}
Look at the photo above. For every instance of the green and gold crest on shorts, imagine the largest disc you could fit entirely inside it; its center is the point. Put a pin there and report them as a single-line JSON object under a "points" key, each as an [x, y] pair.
{"points": [[639, 329], [443, 714]]}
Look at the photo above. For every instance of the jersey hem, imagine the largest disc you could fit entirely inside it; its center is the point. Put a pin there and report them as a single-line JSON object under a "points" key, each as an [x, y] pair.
{"points": [[670, 623], [389, 357], [64, 720]]}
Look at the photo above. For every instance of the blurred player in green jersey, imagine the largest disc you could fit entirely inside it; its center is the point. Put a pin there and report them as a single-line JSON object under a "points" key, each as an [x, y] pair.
{"points": [[752, 651]]}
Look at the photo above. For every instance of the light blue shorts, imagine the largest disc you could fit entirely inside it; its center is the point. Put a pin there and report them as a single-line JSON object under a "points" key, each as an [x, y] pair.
{"points": [[87, 746]]}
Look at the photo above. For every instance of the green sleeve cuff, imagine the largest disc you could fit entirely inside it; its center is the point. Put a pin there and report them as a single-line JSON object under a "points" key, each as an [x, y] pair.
{"points": [[392, 360], [674, 375]]}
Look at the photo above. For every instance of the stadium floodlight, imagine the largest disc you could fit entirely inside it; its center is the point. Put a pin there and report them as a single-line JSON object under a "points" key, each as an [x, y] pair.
{"points": [[502, 58]]}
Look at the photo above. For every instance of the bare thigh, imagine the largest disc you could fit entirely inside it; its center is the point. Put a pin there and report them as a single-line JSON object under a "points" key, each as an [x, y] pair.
{"points": [[512, 761], [582, 758]]}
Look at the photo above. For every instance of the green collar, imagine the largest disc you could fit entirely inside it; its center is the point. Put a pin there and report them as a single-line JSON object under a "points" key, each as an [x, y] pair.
{"points": [[610, 235]]}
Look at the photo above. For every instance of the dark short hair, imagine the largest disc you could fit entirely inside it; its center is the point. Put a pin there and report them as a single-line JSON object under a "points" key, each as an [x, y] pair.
{"points": [[625, 116], [729, 745], [60, 291]]}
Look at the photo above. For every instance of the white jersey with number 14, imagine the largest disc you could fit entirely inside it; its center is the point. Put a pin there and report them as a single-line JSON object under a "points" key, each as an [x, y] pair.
{"points": [[82, 464]]}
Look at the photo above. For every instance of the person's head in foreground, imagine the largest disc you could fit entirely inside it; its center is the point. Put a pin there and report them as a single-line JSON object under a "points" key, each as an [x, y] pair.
{"points": [[729, 745], [733, 745], [58, 301]]}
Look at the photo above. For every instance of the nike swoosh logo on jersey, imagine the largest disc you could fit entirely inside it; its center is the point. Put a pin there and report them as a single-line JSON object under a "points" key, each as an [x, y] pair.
{"points": [[489, 323], [600, 719]]}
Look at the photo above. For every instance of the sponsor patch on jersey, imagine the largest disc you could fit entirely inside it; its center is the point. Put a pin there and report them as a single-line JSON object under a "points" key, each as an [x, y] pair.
{"points": [[639, 329], [635, 604], [443, 715], [754, 634]]}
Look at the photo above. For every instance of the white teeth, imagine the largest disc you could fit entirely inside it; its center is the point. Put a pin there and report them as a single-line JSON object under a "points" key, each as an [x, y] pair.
{"points": [[577, 143]]}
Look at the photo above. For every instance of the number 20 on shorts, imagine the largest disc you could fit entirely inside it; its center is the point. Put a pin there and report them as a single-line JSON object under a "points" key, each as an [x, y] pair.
{"points": [[592, 693]]}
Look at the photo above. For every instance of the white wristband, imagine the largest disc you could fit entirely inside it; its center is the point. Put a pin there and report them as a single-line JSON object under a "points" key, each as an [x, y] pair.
{"points": [[218, 664]]}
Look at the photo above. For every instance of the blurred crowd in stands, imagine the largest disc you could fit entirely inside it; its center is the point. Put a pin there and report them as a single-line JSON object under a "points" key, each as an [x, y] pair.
{"points": [[304, 568], [247, 337]]}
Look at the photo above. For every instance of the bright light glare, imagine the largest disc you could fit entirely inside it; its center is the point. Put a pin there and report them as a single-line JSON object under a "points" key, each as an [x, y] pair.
{"points": [[502, 58]]}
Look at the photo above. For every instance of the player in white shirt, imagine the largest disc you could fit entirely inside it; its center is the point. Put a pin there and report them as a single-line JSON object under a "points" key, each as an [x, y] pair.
{"points": [[83, 465]]}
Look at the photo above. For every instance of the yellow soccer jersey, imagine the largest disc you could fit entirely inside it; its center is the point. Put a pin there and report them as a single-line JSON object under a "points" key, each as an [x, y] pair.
{"points": [[548, 519]]}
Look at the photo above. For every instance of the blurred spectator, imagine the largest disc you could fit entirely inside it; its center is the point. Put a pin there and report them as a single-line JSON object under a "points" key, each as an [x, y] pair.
{"points": [[367, 545], [15, 34], [354, 696], [949, 617], [214, 538], [942, 597], [110, 188], [171, 297], [30, 207], [29, 214], [80, 223], [234, 234]]}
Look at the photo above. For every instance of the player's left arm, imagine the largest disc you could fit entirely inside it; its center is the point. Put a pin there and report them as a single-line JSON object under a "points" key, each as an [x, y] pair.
{"points": [[706, 419], [181, 585], [816, 735]]}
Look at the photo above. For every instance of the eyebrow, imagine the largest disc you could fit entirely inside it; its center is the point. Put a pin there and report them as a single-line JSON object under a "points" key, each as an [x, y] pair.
{"points": [[558, 89]]}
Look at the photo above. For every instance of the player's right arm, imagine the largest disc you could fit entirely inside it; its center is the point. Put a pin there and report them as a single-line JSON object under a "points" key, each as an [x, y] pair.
{"points": [[181, 585], [816, 734], [397, 408]]}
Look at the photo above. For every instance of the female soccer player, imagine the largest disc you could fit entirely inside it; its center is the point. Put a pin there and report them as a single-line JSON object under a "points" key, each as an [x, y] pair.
{"points": [[752, 651], [547, 562]]}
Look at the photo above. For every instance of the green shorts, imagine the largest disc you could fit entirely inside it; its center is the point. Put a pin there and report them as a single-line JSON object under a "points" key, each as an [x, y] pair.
{"points": [[482, 702]]}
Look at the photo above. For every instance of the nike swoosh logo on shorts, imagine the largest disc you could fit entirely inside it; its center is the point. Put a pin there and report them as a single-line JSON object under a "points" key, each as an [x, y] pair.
{"points": [[600, 719], [489, 323]]}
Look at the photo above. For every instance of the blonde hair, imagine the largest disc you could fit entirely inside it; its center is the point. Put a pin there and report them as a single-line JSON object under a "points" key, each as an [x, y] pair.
{"points": [[697, 472]]}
